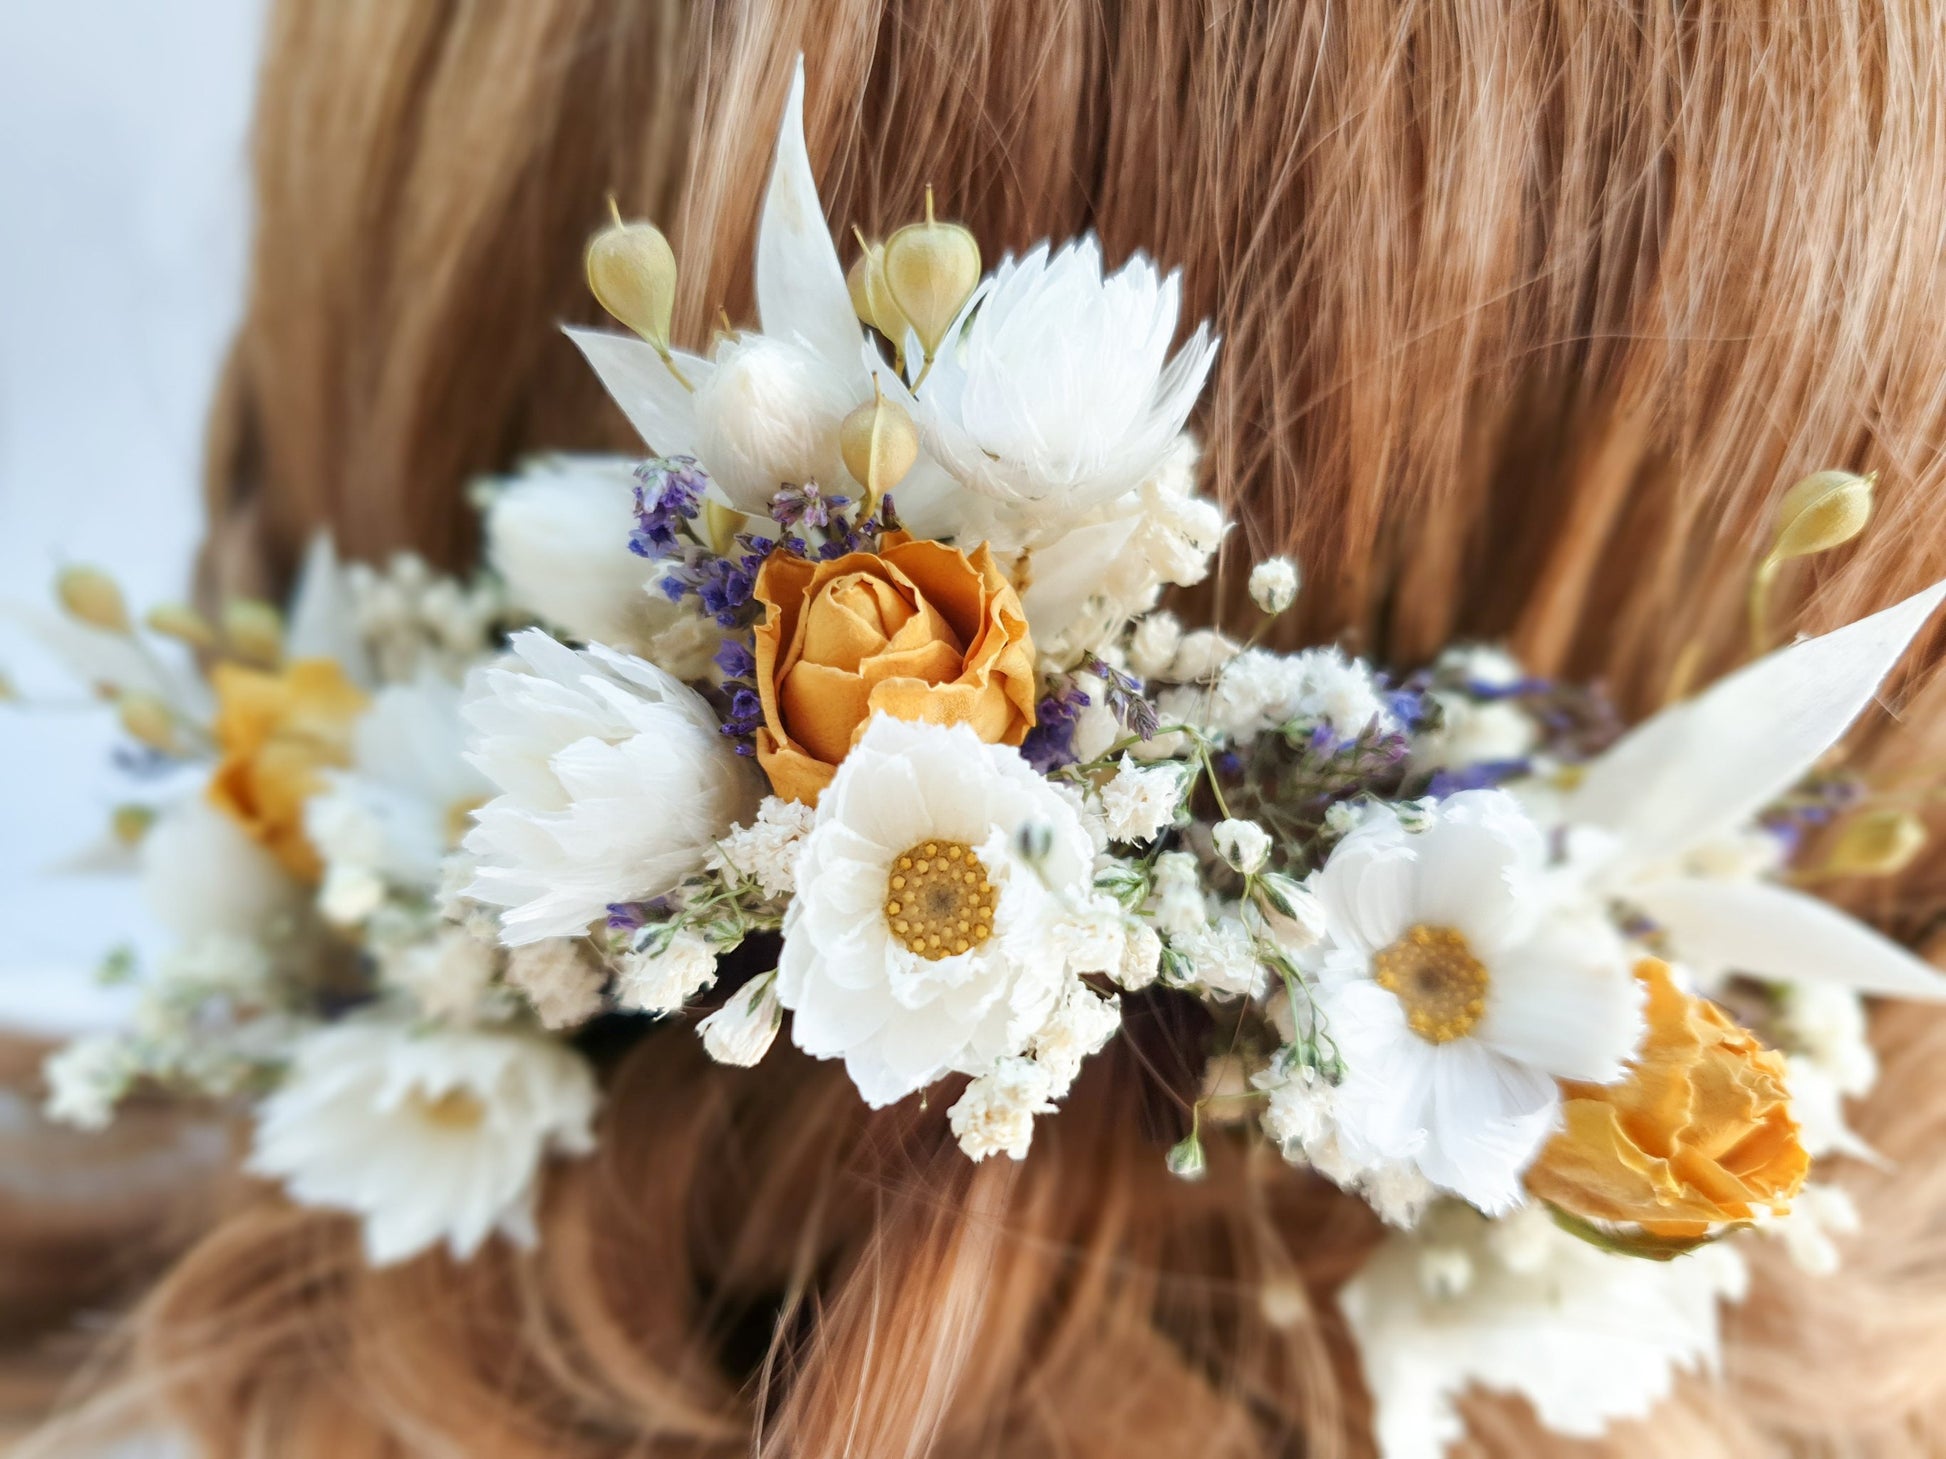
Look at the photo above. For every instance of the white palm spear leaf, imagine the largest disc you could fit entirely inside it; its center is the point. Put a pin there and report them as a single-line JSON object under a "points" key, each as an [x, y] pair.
{"points": [[1712, 763]]}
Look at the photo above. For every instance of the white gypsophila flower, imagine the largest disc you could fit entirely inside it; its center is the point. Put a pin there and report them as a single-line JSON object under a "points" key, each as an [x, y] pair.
{"points": [[1141, 958], [1243, 845], [1153, 643], [1201, 656], [1176, 895], [389, 820], [559, 978], [392, 623], [558, 533], [1299, 1113], [615, 782], [1273, 584], [86, 1078], [1259, 690], [743, 1029], [664, 976], [1480, 666], [1057, 393], [1222, 958], [201, 874], [1457, 988], [1291, 916], [995, 1116], [449, 976], [919, 943], [1080, 1026], [1138, 804], [1588, 1338], [429, 1135], [765, 851]]}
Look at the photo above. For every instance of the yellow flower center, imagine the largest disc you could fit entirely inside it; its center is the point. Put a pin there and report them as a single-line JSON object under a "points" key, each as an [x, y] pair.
{"points": [[939, 899], [456, 1109], [1433, 973]]}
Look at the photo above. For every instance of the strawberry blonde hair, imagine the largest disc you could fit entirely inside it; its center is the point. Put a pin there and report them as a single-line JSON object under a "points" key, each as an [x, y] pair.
{"points": [[1530, 313]]}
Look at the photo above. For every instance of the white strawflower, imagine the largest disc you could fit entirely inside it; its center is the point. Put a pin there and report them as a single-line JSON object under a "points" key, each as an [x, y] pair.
{"points": [[1273, 584], [391, 818], [661, 978], [768, 416], [1458, 992], [615, 783], [1259, 691], [429, 1135], [995, 1116], [1588, 1338], [1081, 1025], [743, 1029], [560, 978], [918, 943], [1222, 958], [766, 850], [1141, 958], [1152, 646], [1058, 394], [558, 533], [1138, 804], [1243, 845], [86, 1079]]}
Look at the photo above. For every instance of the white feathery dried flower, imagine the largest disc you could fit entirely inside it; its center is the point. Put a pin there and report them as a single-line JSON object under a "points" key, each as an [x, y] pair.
{"points": [[559, 978]]}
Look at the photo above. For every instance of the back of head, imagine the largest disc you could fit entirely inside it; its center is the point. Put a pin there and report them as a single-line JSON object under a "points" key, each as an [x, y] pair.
{"points": [[1526, 318]]}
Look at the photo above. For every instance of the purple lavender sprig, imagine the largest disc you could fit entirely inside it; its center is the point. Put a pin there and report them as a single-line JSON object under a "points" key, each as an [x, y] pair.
{"points": [[1123, 694], [1050, 743]]}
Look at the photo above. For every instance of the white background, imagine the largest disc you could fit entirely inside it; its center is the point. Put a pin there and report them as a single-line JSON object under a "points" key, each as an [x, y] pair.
{"points": [[123, 225]]}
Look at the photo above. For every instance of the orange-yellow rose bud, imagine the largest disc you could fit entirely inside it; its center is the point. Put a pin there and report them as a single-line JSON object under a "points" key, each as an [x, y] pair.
{"points": [[917, 630], [1700, 1133], [278, 733]]}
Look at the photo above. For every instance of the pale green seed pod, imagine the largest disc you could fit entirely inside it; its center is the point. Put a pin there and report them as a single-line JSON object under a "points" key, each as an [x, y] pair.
{"points": [[1877, 843], [931, 270], [182, 623], [254, 631], [8, 693], [632, 274], [1824, 510], [871, 297], [148, 720], [879, 443], [130, 823], [91, 596]]}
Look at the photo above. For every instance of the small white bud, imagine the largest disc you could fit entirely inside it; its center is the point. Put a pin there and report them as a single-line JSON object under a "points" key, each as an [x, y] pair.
{"points": [[1243, 844], [1186, 1160], [1273, 584], [743, 1029]]}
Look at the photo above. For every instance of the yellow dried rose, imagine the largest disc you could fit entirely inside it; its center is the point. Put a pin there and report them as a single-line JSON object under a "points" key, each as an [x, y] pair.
{"points": [[917, 630], [278, 732], [1700, 1133]]}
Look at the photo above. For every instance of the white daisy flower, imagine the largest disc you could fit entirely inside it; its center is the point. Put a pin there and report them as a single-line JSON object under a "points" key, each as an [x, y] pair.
{"points": [[615, 783], [1457, 993], [1057, 393], [429, 1135], [919, 943]]}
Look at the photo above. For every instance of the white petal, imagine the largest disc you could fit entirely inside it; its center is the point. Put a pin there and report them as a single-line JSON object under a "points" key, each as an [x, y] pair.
{"points": [[1773, 932], [635, 378], [1559, 1006], [1490, 1117], [1712, 762], [1477, 870], [801, 289], [323, 623], [1367, 886]]}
